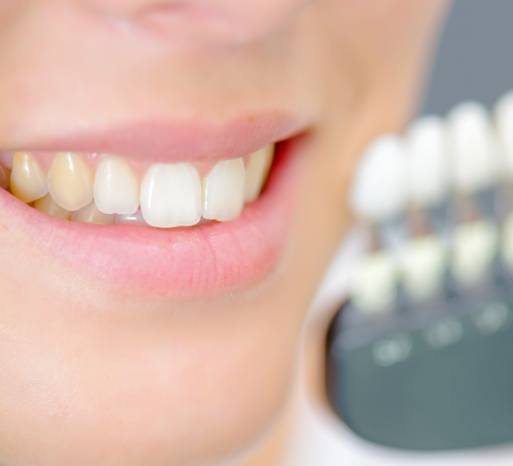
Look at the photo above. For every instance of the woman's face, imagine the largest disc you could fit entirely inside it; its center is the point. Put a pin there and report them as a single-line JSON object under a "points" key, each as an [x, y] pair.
{"points": [[176, 343]]}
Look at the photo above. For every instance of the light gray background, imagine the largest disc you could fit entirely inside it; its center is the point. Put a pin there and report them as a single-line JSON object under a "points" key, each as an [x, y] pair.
{"points": [[475, 56]]}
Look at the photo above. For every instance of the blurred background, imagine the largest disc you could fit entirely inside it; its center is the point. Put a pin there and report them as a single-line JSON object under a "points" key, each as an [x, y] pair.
{"points": [[473, 60]]}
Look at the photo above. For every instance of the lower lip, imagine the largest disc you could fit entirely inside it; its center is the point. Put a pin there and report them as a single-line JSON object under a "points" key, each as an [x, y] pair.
{"points": [[187, 262]]}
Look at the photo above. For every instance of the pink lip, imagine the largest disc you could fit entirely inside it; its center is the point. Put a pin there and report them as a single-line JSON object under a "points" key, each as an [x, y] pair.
{"points": [[168, 142], [205, 259]]}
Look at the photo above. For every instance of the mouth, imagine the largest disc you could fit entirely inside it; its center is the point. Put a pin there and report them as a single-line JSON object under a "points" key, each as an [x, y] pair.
{"points": [[178, 211]]}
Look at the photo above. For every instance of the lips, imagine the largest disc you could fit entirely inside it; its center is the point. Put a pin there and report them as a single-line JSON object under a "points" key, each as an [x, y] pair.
{"points": [[156, 141], [205, 259]]}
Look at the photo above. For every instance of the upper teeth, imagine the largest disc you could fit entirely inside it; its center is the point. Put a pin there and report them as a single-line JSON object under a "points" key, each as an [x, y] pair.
{"points": [[28, 181], [167, 195]]}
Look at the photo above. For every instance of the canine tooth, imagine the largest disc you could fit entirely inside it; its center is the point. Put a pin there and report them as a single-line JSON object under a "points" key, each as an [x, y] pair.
{"points": [[90, 214], [4, 177], [70, 181], [116, 188], [48, 206], [475, 246], [380, 187], [28, 181], [171, 195], [224, 190], [257, 169], [427, 163], [472, 145]]}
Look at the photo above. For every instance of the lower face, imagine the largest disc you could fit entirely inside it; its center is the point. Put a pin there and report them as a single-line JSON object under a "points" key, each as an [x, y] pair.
{"points": [[154, 274]]}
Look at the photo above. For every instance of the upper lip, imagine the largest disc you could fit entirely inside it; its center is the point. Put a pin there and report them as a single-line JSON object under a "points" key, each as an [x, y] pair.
{"points": [[163, 141]]}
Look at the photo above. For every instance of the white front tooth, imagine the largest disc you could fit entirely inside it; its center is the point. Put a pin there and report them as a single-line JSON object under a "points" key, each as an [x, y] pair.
{"points": [[423, 262], [257, 169], [474, 249], [90, 214], [28, 181], [224, 190], [473, 147], [171, 195], [116, 188], [428, 171], [379, 189]]}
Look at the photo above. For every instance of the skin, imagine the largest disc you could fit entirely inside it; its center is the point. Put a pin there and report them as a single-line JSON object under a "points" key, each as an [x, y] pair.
{"points": [[92, 375]]}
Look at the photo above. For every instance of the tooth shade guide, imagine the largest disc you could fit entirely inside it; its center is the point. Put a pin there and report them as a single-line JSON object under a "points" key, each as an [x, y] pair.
{"points": [[374, 287], [418, 223], [423, 266], [507, 243]]}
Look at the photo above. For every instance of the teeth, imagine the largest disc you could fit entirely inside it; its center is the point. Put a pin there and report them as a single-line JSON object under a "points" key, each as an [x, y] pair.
{"points": [[379, 188], [48, 206], [507, 242], [475, 246], [171, 195], [428, 180], [116, 188], [257, 170], [4, 177], [224, 190], [504, 122], [70, 181], [131, 219], [28, 181], [473, 147], [374, 290], [90, 214], [423, 262]]}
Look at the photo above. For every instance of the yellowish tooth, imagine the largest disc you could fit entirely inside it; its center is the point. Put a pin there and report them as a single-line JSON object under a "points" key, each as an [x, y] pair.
{"points": [[70, 181], [90, 214], [49, 207], [28, 181], [4, 177], [257, 169]]}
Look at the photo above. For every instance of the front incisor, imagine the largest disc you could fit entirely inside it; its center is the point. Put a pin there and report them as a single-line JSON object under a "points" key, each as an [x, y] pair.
{"points": [[28, 181], [70, 181]]}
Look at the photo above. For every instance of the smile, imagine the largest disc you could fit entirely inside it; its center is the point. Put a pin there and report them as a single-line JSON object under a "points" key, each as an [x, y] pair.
{"points": [[180, 223]]}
